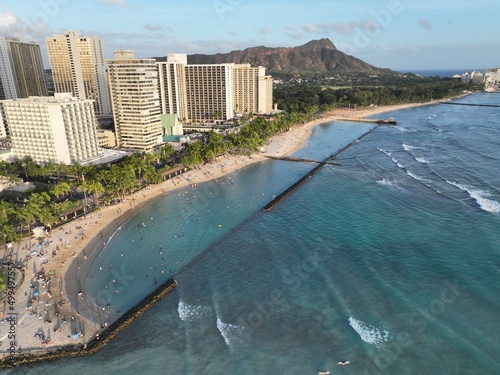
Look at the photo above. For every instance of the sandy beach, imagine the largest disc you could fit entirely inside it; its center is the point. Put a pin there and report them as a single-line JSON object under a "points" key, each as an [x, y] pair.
{"points": [[52, 314]]}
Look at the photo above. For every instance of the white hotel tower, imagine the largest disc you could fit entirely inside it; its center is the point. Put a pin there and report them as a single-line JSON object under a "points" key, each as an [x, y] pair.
{"points": [[60, 128], [135, 98]]}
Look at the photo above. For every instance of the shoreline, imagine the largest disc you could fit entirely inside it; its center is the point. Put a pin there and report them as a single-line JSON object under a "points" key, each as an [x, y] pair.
{"points": [[81, 243]]}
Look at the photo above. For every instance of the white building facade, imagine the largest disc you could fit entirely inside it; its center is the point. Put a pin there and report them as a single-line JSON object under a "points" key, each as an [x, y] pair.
{"points": [[8, 85], [60, 129], [135, 101], [202, 93]]}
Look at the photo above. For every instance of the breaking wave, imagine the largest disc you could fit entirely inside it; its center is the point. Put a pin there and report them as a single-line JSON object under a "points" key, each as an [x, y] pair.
{"points": [[409, 148], [479, 196], [369, 334], [232, 334], [190, 313]]}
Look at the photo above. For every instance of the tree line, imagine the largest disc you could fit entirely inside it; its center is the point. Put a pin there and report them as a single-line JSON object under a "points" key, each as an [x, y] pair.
{"points": [[299, 97]]}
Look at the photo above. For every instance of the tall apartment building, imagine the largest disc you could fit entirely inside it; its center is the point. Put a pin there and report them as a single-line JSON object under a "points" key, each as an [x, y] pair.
{"points": [[8, 89], [135, 100], [60, 129], [172, 86], [265, 102], [21, 69], [246, 88], [209, 92], [78, 67]]}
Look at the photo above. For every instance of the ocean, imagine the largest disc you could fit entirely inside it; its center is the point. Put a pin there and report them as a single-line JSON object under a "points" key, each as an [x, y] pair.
{"points": [[389, 260]]}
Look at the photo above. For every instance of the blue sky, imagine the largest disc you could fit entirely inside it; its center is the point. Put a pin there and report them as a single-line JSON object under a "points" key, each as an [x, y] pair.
{"points": [[395, 34]]}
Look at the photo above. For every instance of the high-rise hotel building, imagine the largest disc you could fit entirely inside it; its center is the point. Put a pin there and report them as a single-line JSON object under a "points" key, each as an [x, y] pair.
{"points": [[21, 69], [60, 129], [172, 86], [208, 92], [252, 89], [135, 101], [78, 67]]}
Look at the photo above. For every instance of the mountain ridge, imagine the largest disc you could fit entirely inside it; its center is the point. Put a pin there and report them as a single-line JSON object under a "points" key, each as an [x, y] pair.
{"points": [[316, 56]]}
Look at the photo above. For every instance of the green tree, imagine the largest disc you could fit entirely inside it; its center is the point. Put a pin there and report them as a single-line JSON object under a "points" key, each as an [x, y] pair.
{"points": [[96, 188], [166, 152], [61, 188]]}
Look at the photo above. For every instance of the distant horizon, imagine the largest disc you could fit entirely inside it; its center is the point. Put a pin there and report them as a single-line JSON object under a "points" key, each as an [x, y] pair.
{"points": [[384, 33]]}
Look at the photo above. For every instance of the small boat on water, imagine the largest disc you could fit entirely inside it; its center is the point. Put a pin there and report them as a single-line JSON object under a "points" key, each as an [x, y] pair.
{"points": [[324, 372]]}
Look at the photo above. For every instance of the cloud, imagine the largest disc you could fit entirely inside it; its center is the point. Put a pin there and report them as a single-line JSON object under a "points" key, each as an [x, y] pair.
{"points": [[425, 24], [339, 28], [342, 28], [369, 25], [120, 3], [152, 27], [34, 29], [294, 32], [263, 31], [7, 20], [308, 28]]}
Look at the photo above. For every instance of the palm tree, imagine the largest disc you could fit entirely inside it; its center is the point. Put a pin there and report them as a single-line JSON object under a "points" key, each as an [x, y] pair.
{"points": [[28, 166], [34, 206], [84, 188], [96, 188], [47, 217], [149, 174], [8, 233], [150, 158], [166, 152], [138, 164], [21, 215], [62, 188], [6, 210], [51, 167]]}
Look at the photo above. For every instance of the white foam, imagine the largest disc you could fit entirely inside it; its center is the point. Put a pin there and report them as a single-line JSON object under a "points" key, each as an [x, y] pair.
{"points": [[422, 160], [391, 184], [409, 148], [232, 334], [114, 233], [190, 313], [479, 196], [385, 152], [369, 334], [417, 177]]}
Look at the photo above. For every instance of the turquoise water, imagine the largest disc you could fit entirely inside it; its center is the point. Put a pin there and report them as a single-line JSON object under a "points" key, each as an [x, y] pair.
{"points": [[390, 260]]}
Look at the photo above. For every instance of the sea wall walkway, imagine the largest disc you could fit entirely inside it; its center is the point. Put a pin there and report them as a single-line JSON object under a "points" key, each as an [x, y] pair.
{"points": [[276, 200]]}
